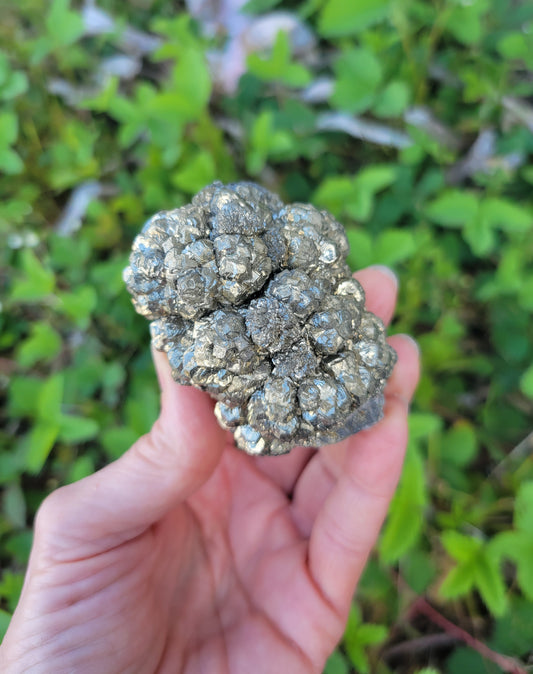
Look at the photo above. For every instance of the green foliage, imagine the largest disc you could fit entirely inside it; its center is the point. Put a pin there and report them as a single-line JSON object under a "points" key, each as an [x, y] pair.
{"points": [[513, 632], [477, 568], [337, 664], [266, 142], [428, 79], [358, 76], [467, 660], [278, 66], [340, 18], [63, 26], [405, 523], [35, 283], [43, 344], [517, 545], [10, 162], [360, 636], [526, 382], [479, 218], [13, 83]]}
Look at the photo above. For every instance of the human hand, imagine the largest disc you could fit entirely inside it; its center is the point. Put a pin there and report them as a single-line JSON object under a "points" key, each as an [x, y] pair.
{"points": [[186, 555]]}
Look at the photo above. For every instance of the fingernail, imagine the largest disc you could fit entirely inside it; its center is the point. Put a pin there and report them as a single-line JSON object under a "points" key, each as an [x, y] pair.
{"points": [[413, 341], [386, 271], [162, 369]]}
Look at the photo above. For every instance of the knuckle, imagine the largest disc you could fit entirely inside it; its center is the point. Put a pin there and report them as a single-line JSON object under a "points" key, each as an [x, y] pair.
{"points": [[51, 510]]}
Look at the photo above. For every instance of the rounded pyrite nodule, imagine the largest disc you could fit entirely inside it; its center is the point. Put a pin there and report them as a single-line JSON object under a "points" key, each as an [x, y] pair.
{"points": [[253, 302]]}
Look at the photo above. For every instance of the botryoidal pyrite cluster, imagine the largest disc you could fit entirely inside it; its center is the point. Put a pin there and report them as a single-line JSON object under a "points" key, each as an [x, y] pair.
{"points": [[252, 300]]}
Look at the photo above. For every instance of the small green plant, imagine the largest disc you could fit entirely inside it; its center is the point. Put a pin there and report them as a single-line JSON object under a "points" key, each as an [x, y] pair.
{"points": [[419, 140]]}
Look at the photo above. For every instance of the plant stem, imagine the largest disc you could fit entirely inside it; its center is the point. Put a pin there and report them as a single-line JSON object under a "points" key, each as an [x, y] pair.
{"points": [[507, 664]]}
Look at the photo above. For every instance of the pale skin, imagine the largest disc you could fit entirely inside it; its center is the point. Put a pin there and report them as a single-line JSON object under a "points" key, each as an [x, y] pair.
{"points": [[186, 555]]}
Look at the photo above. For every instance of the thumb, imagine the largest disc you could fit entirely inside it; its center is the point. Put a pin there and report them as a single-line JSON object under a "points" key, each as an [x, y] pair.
{"points": [[157, 473]]}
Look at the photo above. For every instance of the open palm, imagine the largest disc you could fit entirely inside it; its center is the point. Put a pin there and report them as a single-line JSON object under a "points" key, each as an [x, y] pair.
{"points": [[187, 555]]}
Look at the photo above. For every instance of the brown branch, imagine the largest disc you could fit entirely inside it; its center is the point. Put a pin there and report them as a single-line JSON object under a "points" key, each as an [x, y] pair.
{"points": [[507, 664], [515, 457], [420, 644]]}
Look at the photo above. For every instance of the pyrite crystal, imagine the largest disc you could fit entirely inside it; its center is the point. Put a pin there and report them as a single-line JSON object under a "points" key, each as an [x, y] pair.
{"points": [[253, 302]]}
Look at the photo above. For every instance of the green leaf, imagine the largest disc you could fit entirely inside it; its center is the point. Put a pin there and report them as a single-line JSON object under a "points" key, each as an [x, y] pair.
{"points": [[79, 304], [453, 208], [67, 252], [117, 440], [517, 546], [523, 511], [192, 83], [10, 162], [490, 584], [43, 344], [344, 195], [358, 636], [142, 409], [513, 632], [63, 25], [11, 587], [406, 516], [12, 82], [477, 568], [50, 398], [464, 21], [393, 100], [422, 425], [333, 193], [505, 215], [372, 634], [8, 129], [23, 396], [460, 444], [525, 299], [349, 18], [358, 76], [5, 619], [468, 661], [336, 664], [266, 141], [479, 235], [197, 173], [41, 439], [82, 467], [259, 6], [375, 178], [394, 246], [18, 545], [186, 96], [14, 86], [37, 282], [15, 505], [279, 67], [459, 581], [514, 46], [360, 254], [526, 382], [74, 429], [418, 570], [462, 548]]}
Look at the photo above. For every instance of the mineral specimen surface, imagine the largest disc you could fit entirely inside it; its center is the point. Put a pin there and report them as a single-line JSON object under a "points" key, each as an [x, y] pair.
{"points": [[253, 302]]}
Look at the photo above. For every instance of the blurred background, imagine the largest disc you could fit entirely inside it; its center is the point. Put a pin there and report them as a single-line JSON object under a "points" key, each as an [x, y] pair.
{"points": [[412, 122]]}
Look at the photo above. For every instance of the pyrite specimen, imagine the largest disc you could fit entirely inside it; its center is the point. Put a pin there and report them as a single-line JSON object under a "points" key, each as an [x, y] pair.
{"points": [[253, 302]]}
